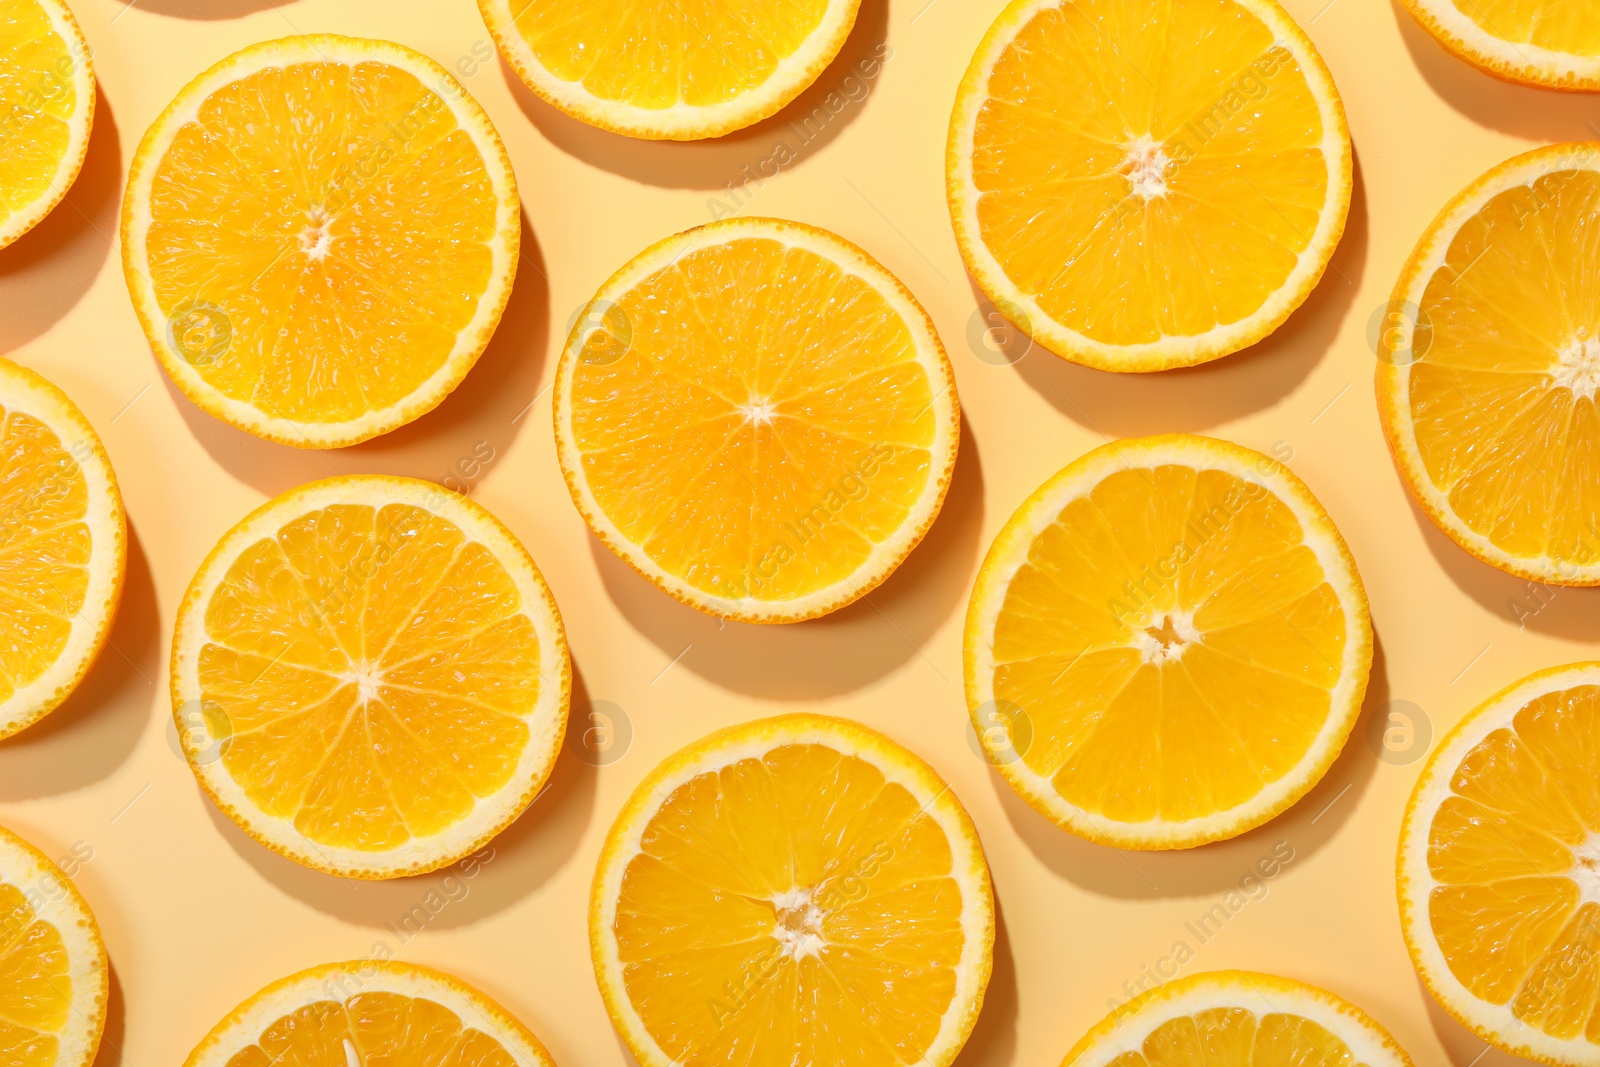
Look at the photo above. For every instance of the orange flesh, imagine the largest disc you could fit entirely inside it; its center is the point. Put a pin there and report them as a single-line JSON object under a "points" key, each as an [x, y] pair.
{"points": [[370, 671], [1571, 26], [37, 98], [797, 901], [320, 233], [1093, 102], [1501, 395], [754, 419], [1513, 847], [44, 548], [1236, 1037], [35, 986], [1084, 644], [373, 1030], [694, 52]]}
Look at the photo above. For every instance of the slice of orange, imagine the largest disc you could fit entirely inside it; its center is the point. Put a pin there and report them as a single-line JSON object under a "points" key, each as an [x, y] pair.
{"points": [[1499, 869], [1489, 365], [369, 1013], [1144, 184], [1554, 44], [795, 890], [370, 677], [678, 71], [63, 547], [1237, 1019], [319, 235], [46, 110], [756, 416], [1168, 644], [54, 980]]}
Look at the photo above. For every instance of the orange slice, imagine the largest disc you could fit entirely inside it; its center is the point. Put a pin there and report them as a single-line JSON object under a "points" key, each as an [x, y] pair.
{"points": [[46, 110], [679, 71], [1168, 644], [370, 677], [1554, 44], [54, 979], [757, 417], [1237, 1019], [1499, 868], [63, 547], [1489, 365], [795, 890], [319, 236], [369, 1013], [1144, 184]]}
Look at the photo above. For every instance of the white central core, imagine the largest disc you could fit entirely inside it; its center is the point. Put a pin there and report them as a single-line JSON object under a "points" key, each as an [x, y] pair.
{"points": [[315, 238], [1146, 167], [1586, 869], [1165, 637], [758, 411], [1579, 369], [799, 925], [367, 678]]}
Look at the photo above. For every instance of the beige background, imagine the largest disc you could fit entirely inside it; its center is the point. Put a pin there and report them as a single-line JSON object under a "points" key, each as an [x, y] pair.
{"points": [[197, 916]]}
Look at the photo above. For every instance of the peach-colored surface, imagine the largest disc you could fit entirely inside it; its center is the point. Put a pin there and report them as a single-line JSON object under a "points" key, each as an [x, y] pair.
{"points": [[197, 916]]}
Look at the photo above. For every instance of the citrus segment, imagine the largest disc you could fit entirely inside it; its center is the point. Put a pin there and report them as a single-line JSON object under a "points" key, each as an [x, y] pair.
{"points": [[370, 1014], [700, 68], [320, 234], [46, 109], [63, 547], [1499, 868], [1134, 205], [794, 890], [1488, 370], [53, 973], [757, 417], [370, 676], [1553, 44], [1167, 644], [1237, 1019]]}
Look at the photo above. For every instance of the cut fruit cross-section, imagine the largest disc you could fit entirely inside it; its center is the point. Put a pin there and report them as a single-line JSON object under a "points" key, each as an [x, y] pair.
{"points": [[1144, 184], [1489, 364], [1168, 644], [757, 417], [319, 235], [370, 677], [46, 110], [794, 890], [1554, 44], [54, 981], [63, 547], [678, 71], [370, 1014], [1237, 1019], [1499, 869]]}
